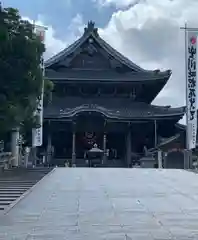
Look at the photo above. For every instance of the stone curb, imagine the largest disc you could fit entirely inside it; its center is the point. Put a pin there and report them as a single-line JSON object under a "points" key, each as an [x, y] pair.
{"points": [[14, 203]]}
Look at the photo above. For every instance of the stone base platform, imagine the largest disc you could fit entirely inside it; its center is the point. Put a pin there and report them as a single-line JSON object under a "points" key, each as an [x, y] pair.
{"points": [[108, 204]]}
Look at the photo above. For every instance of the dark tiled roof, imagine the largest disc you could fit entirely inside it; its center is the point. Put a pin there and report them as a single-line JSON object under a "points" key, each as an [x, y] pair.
{"points": [[111, 108], [64, 53], [108, 75], [111, 51]]}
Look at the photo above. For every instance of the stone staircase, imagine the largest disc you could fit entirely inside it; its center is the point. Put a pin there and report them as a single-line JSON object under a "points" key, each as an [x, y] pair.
{"points": [[15, 182]]}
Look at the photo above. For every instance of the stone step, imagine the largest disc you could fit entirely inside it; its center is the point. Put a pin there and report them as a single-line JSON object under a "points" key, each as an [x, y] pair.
{"points": [[37, 169], [9, 195], [22, 175], [19, 179], [21, 183], [15, 185], [15, 182], [7, 199], [11, 191], [22, 179], [18, 182], [5, 203]]}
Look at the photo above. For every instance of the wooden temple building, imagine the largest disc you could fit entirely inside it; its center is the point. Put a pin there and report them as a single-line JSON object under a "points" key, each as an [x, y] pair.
{"points": [[101, 97]]}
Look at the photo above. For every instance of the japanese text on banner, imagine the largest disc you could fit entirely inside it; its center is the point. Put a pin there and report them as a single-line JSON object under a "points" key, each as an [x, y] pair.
{"points": [[192, 89], [37, 134]]}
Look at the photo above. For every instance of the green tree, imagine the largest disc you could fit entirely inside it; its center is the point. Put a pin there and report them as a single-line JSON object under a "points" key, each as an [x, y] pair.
{"points": [[48, 88], [20, 73]]}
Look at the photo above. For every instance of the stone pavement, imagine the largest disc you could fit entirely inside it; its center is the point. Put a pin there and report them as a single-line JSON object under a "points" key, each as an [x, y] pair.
{"points": [[116, 204]]}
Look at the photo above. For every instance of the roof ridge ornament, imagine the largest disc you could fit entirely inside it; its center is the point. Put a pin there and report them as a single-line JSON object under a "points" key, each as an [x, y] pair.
{"points": [[91, 28]]}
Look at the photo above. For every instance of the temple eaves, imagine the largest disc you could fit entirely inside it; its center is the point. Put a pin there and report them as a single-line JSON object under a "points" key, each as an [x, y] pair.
{"points": [[120, 109]]}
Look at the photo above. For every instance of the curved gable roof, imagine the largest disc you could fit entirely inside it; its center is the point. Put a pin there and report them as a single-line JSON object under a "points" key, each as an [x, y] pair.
{"points": [[90, 31]]}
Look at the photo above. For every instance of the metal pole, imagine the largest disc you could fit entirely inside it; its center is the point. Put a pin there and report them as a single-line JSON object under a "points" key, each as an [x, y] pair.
{"points": [[186, 155], [186, 74]]}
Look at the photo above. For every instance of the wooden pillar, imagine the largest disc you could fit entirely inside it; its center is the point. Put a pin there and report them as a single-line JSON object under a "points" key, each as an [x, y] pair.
{"points": [[155, 133], [128, 146], [159, 158], [49, 144], [49, 140], [104, 148], [104, 143], [74, 145], [187, 159]]}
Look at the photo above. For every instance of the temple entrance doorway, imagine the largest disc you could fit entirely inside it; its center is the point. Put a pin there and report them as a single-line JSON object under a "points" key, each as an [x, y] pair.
{"points": [[85, 141], [89, 130], [116, 142]]}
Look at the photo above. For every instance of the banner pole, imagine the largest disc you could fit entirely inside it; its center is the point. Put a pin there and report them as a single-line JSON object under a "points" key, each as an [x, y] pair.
{"points": [[37, 133], [186, 84], [186, 155]]}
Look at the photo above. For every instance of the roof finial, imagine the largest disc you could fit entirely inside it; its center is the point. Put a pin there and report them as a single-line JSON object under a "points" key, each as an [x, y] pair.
{"points": [[91, 25], [91, 28]]}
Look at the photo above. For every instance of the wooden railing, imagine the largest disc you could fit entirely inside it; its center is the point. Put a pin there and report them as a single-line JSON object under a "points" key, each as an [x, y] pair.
{"points": [[6, 160]]}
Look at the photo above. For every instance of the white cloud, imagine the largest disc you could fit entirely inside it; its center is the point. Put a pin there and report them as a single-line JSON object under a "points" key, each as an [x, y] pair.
{"points": [[149, 34], [117, 3]]}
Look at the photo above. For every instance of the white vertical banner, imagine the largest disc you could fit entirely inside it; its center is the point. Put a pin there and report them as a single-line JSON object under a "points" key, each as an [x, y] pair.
{"points": [[191, 91], [37, 133]]}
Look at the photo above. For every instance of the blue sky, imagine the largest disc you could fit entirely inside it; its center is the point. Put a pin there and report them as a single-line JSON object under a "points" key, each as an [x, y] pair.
{"points": [[59, 15]]}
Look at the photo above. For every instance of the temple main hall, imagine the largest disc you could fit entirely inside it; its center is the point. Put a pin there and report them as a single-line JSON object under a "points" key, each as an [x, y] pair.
{"points": [[101, 97]]}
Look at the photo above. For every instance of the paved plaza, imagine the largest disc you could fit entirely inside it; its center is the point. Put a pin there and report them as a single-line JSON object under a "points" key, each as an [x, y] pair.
{"points": [[117, 204]]}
